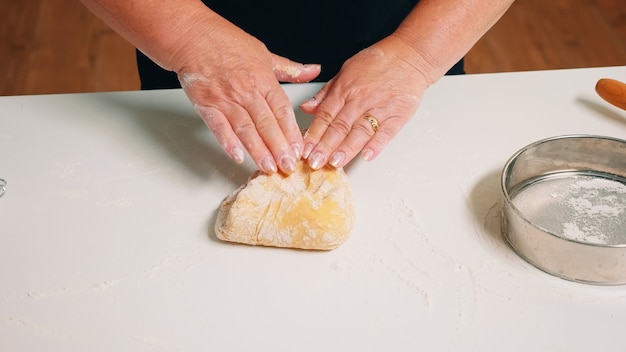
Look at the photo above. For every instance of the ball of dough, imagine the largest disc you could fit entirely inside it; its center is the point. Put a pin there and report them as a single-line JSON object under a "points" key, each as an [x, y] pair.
{"points": [[309, 209]]}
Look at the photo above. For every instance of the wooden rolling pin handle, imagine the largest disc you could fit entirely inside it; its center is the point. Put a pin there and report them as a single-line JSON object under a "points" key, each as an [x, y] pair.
{"points": [[613, 91]]}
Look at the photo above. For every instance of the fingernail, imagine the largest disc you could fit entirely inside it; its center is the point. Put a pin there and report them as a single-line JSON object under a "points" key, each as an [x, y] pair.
{"points": [[337, 159], [267, 164], [311, 66], [288, 164], [368, 154], [237, 155], [297, 149], [308, 148], [316, 160], [310, 102]]}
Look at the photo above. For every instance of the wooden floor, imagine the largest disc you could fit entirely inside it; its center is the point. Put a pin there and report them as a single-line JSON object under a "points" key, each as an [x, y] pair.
{"points": [[59, 47]]}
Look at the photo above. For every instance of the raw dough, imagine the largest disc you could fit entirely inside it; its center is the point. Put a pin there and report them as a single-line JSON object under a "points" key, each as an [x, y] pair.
{"points": [[308, 209]]}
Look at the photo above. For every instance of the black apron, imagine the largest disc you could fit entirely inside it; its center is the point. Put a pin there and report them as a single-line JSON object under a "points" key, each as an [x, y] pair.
{"points": [[325, 32]]}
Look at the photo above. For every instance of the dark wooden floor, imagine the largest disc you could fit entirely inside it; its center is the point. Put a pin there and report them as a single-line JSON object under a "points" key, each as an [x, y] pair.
{"points": [[553, 34], [59, 47]]}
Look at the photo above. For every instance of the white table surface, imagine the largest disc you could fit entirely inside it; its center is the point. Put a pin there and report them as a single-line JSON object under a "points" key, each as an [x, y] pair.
{"points": [[106, 240]]}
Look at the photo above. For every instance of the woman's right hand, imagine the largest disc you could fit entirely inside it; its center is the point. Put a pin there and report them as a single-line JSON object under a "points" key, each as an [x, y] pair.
{"points": [[229, 76], [232, 80]]}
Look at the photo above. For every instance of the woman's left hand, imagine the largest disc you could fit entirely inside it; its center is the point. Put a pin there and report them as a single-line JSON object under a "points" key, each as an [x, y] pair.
{"points": [[365, 105]]}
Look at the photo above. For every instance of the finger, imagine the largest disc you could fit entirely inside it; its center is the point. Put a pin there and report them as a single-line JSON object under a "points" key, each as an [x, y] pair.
{"points": [[269, 126], [362, 131], [246, 129], [286, 70], [336, 132], [286, 118], [223, 132], [367, 139], [324, 116], [387, 130], [213, 118], [310, 106]]}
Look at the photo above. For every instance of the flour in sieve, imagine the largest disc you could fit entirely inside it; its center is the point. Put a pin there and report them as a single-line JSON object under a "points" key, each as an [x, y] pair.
{"points": [[580, 208]]}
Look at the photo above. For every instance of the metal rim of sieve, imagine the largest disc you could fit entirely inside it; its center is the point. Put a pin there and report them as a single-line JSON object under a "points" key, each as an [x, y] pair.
{"points": [[593, 155]]}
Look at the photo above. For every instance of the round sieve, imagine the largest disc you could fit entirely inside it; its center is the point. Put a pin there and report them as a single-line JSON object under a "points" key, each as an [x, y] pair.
{"points": [[564, 208]]}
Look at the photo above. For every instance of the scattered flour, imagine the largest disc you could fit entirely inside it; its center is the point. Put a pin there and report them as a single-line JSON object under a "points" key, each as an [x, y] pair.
{"points": [[580, 208]]}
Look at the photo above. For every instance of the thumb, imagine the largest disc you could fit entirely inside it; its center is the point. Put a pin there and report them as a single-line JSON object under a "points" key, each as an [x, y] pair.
{"points": [[286, 70], [310, 106]]}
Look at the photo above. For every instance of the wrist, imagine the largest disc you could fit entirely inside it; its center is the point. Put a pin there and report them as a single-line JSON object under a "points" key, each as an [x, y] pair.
{"points": [[167, 40], [424, 64]]}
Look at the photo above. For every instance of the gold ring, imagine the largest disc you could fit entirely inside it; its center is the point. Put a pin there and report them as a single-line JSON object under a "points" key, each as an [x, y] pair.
{"points": [[373, 122]]}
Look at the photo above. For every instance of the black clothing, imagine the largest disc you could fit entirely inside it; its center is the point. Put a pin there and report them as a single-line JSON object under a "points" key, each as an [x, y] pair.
{"points": [[326, 32]]}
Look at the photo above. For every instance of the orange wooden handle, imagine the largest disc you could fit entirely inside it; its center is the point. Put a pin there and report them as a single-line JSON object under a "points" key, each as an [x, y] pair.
{"points": [[612, 91]]}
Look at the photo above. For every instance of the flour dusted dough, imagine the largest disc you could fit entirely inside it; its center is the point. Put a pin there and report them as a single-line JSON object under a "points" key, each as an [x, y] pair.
{"points": [[308, 209]]}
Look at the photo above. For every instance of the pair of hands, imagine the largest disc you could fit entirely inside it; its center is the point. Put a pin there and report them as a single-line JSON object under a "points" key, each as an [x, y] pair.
{"points": [[232, 80]]}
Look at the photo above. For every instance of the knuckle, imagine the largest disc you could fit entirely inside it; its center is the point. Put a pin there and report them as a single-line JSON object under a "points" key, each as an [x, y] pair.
{"points": [[216, 125], [284, 112], [342, 126], [325, 117], [364, 128], [207, 113], [212, 118], [241, 97], [382, 138], [244, 127], [262, 118], [265, 123]]}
